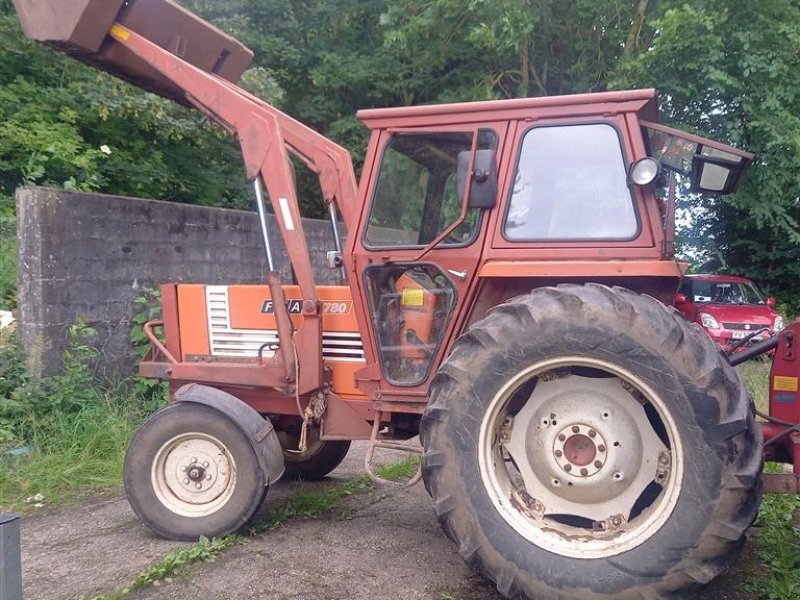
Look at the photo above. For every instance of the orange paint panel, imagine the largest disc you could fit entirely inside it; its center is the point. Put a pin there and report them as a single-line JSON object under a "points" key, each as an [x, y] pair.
{"points": [[344, 378], [192, 319], [583, 268], [250, 307]]}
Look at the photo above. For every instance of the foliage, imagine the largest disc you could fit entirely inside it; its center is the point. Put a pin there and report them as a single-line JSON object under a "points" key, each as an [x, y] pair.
{"points": [[727, 68], [8, 253], [66, 125], [511, 48], [779, 547], [731, 70], [77, 432], [147, 307]]}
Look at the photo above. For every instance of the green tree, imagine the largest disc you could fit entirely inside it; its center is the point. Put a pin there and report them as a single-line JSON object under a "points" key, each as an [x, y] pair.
{"points": [[731, 69]]}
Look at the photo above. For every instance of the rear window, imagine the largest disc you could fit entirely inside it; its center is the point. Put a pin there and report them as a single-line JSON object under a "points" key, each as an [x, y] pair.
{"points": [[571, 184]]}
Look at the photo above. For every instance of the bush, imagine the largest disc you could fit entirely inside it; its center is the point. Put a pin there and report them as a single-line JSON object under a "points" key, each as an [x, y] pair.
{"points": [[76, 432]]}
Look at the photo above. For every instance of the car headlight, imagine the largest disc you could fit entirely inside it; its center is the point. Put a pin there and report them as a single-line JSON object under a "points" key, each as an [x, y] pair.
{"points": [[778, 324], [708, 321]]}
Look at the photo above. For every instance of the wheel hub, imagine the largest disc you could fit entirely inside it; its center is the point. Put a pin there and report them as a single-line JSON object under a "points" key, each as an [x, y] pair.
{"points": [[193, 474], [579, 450]]}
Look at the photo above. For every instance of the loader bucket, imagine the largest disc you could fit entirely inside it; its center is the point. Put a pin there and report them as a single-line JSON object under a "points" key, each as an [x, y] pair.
{"points": [[80, 27]]}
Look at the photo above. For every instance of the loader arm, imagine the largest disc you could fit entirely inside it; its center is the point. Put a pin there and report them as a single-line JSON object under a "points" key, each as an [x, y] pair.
{"points": [[266, 136]]}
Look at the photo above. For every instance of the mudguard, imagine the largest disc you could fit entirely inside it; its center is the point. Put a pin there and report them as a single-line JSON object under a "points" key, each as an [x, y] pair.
{"points": [[257, 429]]}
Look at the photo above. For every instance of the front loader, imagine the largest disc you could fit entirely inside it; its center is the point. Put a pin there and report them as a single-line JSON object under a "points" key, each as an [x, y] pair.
{"points": [[509, 267]]}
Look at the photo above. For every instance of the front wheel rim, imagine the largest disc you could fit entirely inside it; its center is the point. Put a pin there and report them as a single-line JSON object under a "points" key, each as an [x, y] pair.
{"points": [[581, 457], [193, 474]]}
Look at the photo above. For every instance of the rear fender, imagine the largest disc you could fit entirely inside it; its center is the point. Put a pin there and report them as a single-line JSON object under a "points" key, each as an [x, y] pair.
{"points": [[257, 429]]}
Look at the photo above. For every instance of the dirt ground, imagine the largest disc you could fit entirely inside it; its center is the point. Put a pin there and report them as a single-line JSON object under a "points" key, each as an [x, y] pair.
{"points": [[387, 550]]}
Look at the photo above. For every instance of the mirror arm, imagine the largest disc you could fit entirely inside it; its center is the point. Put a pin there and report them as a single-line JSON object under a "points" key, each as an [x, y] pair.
{"points": [[464, 204]]}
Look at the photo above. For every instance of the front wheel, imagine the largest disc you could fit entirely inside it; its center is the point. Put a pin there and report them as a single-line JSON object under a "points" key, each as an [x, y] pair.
{"points": [[319, 458], [190, 471], [583, 442]]}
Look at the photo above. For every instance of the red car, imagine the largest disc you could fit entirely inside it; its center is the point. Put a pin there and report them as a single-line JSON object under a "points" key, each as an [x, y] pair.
{"points": [[728, 308]]}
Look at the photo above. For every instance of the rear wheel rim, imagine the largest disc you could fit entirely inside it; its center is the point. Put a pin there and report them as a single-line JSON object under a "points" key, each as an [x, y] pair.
{"points": [[581, 457], [193, 474]]}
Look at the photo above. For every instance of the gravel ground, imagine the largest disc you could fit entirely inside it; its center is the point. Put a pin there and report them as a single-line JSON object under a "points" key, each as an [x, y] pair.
{"points": [[386, 550]]}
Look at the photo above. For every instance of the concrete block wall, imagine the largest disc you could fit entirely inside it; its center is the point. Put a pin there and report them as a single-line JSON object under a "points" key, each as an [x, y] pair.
{"points": [[89, 255]]}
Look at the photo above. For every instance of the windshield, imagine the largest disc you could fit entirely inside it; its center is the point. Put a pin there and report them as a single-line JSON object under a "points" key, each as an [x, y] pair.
{"points": [[571, 184], [722, 292]]}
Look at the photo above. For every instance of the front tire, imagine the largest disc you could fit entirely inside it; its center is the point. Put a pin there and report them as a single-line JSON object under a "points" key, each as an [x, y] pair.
{"points": [[190, 471], [583, 442], [320, 457]]}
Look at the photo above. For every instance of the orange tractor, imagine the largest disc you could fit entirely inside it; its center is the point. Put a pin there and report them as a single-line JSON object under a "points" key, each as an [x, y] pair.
{"points": [[508, 268]]}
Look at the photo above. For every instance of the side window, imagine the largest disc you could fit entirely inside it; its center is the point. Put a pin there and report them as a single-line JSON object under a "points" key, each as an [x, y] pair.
{"points": [[571, 184], [416, 196]]}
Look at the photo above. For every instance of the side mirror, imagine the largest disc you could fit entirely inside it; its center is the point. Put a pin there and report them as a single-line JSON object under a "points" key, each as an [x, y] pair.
{"points": [[680, 299], [483, 190], [771, 302]]}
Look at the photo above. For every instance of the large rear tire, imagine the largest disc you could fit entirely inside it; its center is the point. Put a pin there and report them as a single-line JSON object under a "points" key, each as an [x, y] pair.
{"points": [[584, 442]]}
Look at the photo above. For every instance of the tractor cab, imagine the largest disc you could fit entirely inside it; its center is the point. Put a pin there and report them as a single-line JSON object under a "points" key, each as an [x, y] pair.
{"points": [[467, 205]]}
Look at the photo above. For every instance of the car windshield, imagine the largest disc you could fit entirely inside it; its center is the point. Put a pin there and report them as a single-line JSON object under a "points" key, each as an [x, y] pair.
{"points": [[722, 292]]}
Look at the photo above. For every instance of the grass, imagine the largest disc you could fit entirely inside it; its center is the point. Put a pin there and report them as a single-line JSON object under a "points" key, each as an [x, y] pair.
{"points": [[756, 377], [71, 434], [303, 504], [72, 454], [778, 541]]}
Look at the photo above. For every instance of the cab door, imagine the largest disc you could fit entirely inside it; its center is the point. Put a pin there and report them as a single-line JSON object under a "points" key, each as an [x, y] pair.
{"points": [[418, 247]]}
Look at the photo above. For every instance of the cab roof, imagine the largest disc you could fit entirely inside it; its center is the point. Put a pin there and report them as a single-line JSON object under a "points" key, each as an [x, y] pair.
{"points": [[643, 101]]}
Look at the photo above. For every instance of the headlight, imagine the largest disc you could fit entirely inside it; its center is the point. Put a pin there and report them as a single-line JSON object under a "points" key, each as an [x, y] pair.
{"points": [[644, 171], [778, 324], [708, 321]]}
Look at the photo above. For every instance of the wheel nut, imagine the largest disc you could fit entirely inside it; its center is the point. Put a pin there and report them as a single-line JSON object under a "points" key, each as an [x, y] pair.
{"points": [[568, 467], [183, 468], [186, 481], [198, 485], [598, 464], [194, 460], [562, 437], [205, 464], [575, 429], [558, 453], [601, 448], [208, 477], [584, 472], [592, 433]]}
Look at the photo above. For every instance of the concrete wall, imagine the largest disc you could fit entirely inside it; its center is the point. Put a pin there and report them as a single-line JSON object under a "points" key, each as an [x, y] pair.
{"points": [[88, 255]]}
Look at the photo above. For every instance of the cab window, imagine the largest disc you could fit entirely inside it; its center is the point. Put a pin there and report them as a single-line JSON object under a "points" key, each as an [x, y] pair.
{"points": [[571, 184], [416, 195]]}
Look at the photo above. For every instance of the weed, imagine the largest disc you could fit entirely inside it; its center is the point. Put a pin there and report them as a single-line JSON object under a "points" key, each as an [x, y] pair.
{"points": [[303, 504], [404, 469], [778, 541], [756, 377], [8, 253], [778, 546], [78, 431]]}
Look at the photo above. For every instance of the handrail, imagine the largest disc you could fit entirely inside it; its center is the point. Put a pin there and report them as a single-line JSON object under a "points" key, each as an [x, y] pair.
{"points": [[156, 343]]}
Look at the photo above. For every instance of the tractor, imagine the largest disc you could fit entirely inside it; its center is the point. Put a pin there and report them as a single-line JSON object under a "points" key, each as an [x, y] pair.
{"points": [[506, 282]]}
